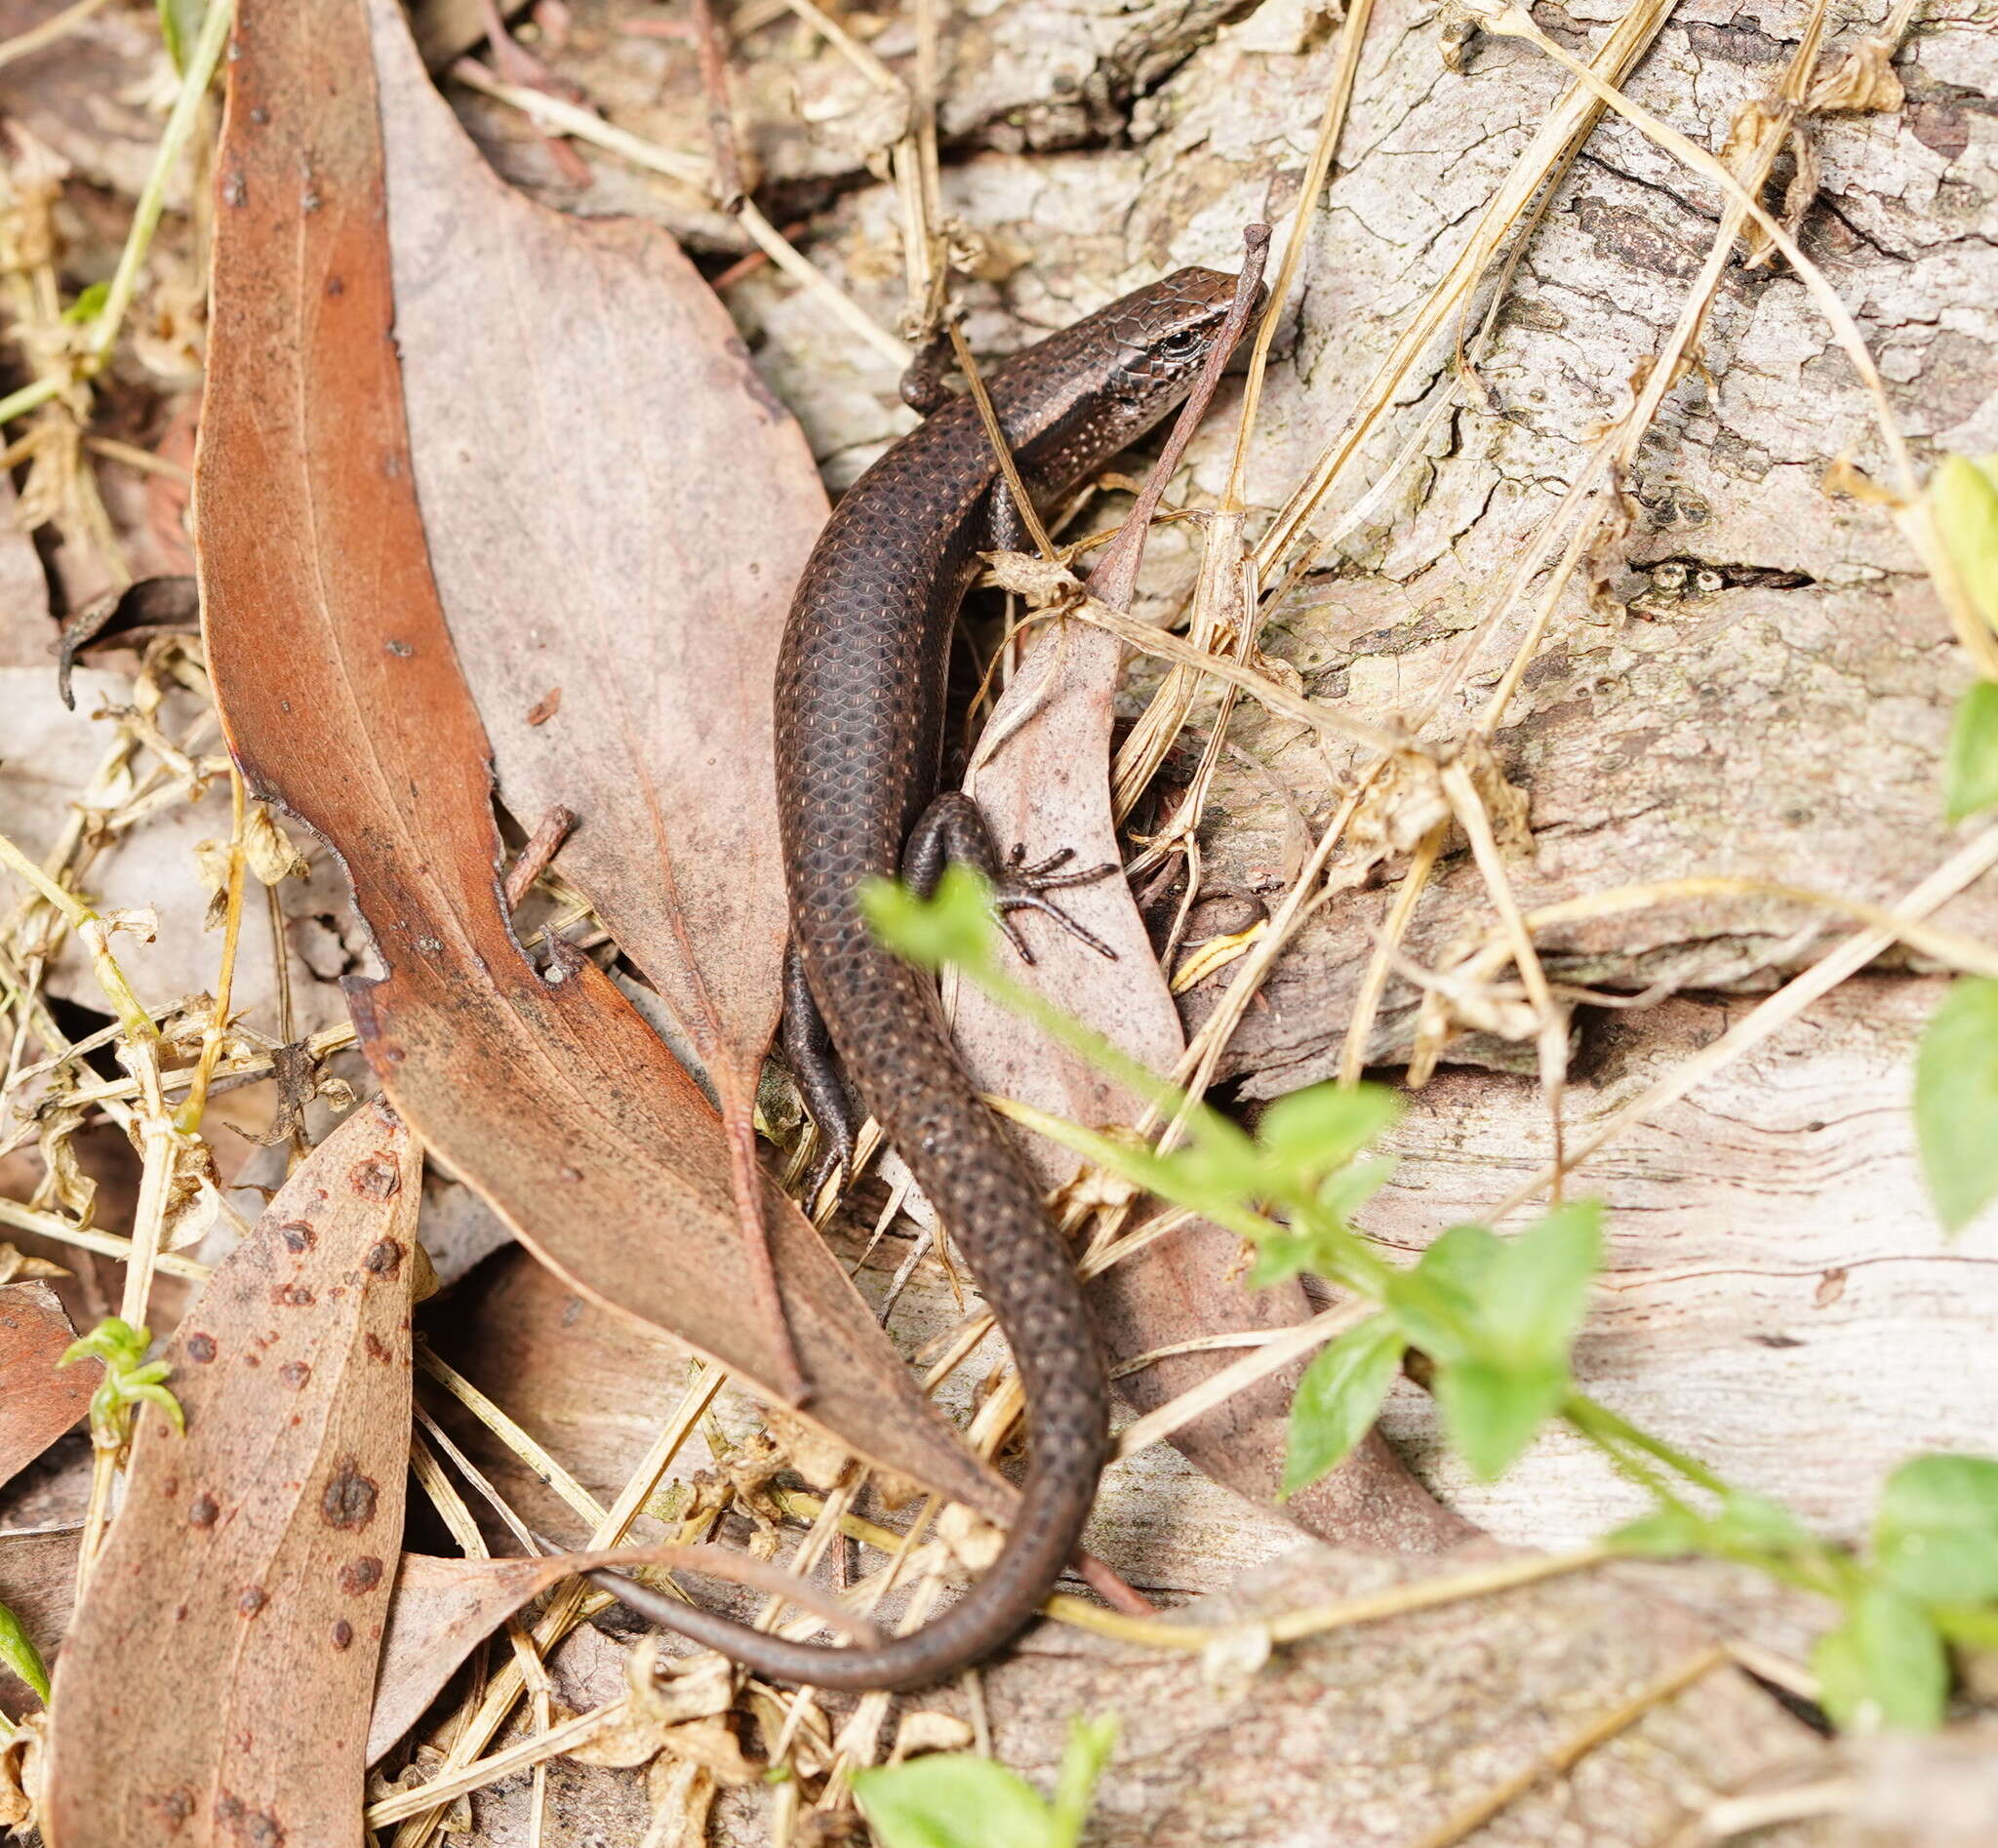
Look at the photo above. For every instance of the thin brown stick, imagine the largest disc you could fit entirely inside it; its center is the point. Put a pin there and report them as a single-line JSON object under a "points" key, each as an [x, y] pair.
{"points": [[1115, 575], [541, 847], [995, 432]]}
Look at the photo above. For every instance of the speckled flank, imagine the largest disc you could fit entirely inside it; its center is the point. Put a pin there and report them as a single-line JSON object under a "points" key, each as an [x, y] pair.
{"points": [[859, 713]]}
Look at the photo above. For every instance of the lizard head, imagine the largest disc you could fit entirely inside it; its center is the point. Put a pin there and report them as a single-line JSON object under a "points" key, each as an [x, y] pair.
{"points": [[1084, 394], [1165, 332]]}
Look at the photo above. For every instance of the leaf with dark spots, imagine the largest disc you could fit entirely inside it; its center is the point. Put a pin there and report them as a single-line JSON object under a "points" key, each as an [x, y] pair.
{"points": [[315, 560], [38, 1399], [251, 1519], [349, 1498]]}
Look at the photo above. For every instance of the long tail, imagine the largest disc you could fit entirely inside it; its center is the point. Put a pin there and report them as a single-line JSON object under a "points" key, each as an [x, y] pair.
{"points": [[906, 1071]]}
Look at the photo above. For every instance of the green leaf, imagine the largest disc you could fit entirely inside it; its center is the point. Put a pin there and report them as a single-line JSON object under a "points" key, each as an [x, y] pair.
{"points": [[1343, 1195], [1966, 1626], [19, 1652], [114, 1340], [1970, 772], [1936, 1536], [1534, 1294], [1311, 1133], [1663, 1534], [954, 925], [954, 1800], [1339, 1398], [1494, 1412], [1437, 1302], [1220, 1159], [1963, 501], [1956, 1102], [180, 28], [88, 305], [1883, 1668], [1088, 1750], [1753, 1523]]}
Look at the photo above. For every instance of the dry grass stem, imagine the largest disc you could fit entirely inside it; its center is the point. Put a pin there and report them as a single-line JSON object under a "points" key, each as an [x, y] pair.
{"points": [[1568, 124], [1219, 1387], [1423, 1594], [1969, 863]]}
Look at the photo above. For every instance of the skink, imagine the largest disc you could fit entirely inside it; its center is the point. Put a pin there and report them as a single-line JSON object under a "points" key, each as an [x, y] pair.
{"points": [[859, 744]]}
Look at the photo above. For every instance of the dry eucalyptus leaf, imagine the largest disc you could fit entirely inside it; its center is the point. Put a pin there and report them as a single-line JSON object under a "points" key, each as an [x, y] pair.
{"points": [[38, 1400], [237, 1609], [668, 506], [329, 650], [442, 1608]]}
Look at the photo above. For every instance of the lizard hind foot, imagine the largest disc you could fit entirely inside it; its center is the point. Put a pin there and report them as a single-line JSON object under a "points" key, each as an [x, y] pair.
{"points": [[1020, 887]]}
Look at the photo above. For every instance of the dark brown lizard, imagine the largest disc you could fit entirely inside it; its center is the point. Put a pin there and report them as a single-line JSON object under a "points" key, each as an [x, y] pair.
{"points": [[860, 746]]}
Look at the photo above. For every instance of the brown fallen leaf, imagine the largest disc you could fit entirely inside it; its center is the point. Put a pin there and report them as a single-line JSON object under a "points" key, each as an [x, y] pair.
{"points": [[38, 1402], [343, 702], [1048, 786], [666, 506], [216, 1683], [438, 1612]]}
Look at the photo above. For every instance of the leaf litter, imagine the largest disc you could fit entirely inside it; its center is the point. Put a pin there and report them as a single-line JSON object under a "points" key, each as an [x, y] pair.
{"points": [[611, 1156]]}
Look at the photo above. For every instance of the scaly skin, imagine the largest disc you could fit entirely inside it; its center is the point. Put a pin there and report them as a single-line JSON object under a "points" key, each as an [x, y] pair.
{"points": [[859, 735]]}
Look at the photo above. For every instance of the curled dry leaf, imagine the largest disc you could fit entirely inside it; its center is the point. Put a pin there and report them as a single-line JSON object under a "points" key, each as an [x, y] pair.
{"points": [[1863, 79], [344, 703], [662, 1700], [218, 1674], [23, 1757], [38, 1400], [17, 1267]]}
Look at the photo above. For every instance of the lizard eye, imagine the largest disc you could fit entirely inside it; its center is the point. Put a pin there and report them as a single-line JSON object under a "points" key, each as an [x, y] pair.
{"points": [[1178, 345]]}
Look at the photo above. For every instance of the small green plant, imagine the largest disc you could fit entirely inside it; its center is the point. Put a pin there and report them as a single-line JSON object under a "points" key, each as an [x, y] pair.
{"points": [[1963, 504], [1488, 1324], [960, 1800], [1956, 1069], [130, 1380]]}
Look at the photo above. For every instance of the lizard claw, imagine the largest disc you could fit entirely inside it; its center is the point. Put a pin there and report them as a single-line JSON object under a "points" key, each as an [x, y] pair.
{"points": [[1023, 888]]}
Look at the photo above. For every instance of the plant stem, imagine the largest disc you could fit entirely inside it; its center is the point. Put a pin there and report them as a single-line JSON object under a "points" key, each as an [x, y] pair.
{"points": [[152, 198], [1597, 1422], [30, 397]]}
